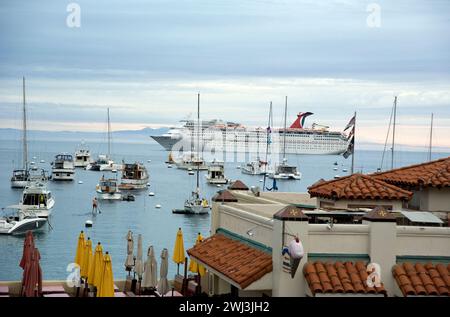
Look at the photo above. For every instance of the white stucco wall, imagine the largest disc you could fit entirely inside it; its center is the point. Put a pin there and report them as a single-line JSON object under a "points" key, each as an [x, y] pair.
{"points": [[344, 203], [434, 199]]}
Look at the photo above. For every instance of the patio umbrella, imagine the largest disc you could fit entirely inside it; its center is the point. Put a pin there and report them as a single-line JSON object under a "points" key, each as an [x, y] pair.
{"points": [[139, 266], [87, 259], [96, 267], [106, 288], [150, 278], [163, 283], [28, 247], [32, 276], [80, 249], [130, 243], [194, 267], [178, 250]]}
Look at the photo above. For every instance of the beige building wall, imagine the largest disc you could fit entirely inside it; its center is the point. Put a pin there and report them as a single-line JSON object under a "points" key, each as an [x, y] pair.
{"points": [[434, 199], [346, 203]]}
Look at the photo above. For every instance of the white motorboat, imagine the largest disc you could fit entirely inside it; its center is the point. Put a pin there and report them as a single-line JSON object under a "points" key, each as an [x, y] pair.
{"points": [[191, 161], [82, 156], [134, 176], [102, 160], [36, 200], [19, 178], [195, 204], [108, 189], [20, 223], [216, 173], [63, 167], [256, 167], [284, 170]]}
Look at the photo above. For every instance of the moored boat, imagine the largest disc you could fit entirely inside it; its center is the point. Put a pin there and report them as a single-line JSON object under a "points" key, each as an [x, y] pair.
{"points": [[82, 156], [134, 176], [20, 223], [108, 189], [63, 167]]}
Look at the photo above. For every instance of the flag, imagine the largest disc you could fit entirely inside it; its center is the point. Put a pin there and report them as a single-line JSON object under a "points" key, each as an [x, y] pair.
{"points": [[351, 134], [350, 148], [350, 124]]}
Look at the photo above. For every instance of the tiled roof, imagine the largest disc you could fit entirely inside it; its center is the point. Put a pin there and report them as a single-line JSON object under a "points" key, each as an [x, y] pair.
{"points": [[224, 196], [291, 213], [418, 279], [379, 214], [433, 174], [238, 185], [238, 261], [358, 186], [339, 277]]}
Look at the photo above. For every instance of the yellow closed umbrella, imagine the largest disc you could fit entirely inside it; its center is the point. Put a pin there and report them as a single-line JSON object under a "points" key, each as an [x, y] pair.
{"points": [[178, 250], [87, 259], [95, 269], [80, 249], [106, 288], [194, 267]]}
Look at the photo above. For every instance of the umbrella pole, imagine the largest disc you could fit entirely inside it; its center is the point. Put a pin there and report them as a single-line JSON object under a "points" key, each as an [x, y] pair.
{"points": [[184, 286], [178, 268]]}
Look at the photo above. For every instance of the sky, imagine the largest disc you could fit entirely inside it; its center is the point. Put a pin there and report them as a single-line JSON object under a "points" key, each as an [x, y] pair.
{"points": [[147, 60]]}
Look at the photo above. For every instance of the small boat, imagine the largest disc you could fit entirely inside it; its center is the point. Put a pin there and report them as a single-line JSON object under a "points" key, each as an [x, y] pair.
{"points": [[170, 159], [336, 176], [335, 168], [63, 167], [192, 161], [88, 223], [256, 167], [108, 189], [19, 178], [36, 200], [344, 170], [216, 173], [134, 176], [21, 223], [158, 206], [191, 173], [285, 171], [82, 156], [151, 194], [100, 161], [42, 161]]}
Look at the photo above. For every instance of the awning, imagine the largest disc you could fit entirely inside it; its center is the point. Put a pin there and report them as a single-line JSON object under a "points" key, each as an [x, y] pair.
{"points": [[421, 216], [236, 262]]}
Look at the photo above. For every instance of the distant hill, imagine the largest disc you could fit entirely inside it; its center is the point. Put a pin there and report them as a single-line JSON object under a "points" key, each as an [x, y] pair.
{"points": [[142, 135]]}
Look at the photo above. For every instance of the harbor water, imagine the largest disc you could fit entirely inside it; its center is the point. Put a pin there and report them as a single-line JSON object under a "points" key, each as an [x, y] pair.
{"points": [[158, 226]]}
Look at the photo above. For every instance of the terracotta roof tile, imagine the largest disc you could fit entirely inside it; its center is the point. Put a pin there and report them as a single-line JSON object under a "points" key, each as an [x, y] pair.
{"points": [[419, 279], [238, 185], [358, 186], [236, 260], [224, 196], [338, 277], [429, 174]]}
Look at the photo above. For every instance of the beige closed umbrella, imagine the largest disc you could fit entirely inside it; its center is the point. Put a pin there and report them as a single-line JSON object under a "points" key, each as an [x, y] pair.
{"points": [[129, 263], [139, 265], [163, 283], [150, 276]]}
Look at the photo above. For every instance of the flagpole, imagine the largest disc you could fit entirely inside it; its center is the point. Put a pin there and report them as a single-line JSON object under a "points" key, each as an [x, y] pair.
{"points": [[353, 148]]}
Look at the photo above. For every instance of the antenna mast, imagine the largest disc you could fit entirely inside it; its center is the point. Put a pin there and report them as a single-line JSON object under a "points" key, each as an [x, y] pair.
{"points": [[431, 138], [25, 145], [393, 132]]}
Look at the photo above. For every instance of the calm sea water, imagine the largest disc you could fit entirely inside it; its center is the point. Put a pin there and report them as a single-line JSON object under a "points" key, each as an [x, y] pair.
{"points": [[157, 226]]}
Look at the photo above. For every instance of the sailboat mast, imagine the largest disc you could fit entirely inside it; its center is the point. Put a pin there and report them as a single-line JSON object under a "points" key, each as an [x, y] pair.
{"points": [[25, 145], [393, 132], [198, 139], [431, 138], [353, 148], [109, 137], [284, 131], [267, 146]]}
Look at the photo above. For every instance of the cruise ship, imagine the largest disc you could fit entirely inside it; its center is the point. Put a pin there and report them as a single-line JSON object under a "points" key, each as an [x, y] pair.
{"points": [[220, 136]]}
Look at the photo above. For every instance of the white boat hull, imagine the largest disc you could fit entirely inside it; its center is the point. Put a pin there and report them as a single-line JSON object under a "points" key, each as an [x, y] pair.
{"points": [[285, 176], [18, 227], [108, 196], [217, 180], [63, 174], [81, 163], [110, 167], [18, 184], [134, 183]]}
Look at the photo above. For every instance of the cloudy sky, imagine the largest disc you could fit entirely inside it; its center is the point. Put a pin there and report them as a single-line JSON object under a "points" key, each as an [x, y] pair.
{"points": [[146, 60]]}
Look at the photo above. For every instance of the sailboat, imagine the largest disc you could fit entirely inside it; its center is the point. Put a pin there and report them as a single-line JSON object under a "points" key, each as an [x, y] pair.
{"points": [[195, 204], [104, 162], [257, 166], [20, 177], [284, 170]]}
